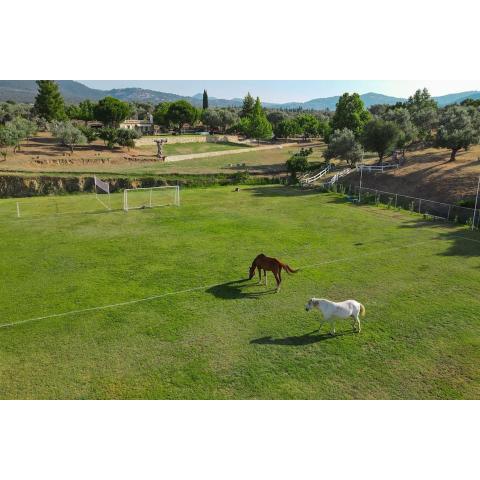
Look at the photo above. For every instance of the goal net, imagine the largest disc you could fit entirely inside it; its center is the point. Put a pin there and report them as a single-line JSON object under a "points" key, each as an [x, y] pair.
{"points": [[150, 197]]}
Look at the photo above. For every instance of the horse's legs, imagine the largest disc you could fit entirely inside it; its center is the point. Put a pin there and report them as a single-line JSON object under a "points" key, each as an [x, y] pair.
{"points": [[332, 327], [320, 324], [265, 276], [259, 276], [278, 280]]}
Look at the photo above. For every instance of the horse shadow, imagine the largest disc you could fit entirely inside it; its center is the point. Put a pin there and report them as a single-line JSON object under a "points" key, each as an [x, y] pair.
{"points": [[300, 340], [235, 289]]}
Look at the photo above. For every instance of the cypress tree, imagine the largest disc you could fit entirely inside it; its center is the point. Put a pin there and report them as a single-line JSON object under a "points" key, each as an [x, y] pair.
{"points": [[49, 102], [205, 100]]}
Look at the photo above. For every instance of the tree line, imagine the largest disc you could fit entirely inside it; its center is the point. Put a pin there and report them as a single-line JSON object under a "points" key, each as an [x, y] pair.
{"points": [[348, 131], [415, 124]]}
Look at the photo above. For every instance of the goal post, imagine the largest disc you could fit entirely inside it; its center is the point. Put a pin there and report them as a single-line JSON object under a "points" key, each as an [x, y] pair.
{"points": [[102, 187], [151, 197]]}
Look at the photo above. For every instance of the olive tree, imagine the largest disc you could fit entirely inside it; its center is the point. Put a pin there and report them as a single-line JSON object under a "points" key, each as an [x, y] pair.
{"points": [[424, 113], [380, 136], [211, 118], [459, 128], [343, 144], [408, 132], [68, 135]]}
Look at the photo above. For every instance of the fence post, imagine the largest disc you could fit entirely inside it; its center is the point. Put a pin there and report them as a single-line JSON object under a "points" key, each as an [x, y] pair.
{"points": [[448, 214], [18, 210], [419, 205], [396, 195]]}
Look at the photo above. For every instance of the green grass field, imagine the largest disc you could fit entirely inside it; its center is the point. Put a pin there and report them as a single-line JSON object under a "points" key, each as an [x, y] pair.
{"points": [[181, 320], [193, 147]]}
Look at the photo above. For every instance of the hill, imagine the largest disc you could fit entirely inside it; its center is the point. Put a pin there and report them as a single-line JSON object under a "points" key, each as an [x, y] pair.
{"points": [[74, 92]]}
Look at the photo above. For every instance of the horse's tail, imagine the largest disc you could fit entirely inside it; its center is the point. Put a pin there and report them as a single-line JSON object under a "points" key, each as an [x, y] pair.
{"points": [[362, 310], [287, 268]]}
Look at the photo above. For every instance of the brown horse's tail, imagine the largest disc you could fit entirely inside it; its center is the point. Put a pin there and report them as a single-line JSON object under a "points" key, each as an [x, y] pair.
{"points": [[288, 269]]}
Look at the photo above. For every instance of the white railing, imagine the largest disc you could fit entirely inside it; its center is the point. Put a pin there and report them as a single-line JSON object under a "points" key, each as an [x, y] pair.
{"points": [[431, 208], [376, 168], [308, 179], [337, 176]]}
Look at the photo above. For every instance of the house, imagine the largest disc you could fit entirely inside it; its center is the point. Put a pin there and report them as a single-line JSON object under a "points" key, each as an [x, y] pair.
{"points": [[145, 127]]}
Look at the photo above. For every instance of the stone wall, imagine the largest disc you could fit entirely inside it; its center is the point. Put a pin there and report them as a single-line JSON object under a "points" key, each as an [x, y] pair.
{"points": [[189, 139]]}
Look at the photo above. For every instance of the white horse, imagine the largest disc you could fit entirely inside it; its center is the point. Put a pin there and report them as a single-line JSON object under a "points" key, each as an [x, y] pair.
{"points": [[332, 310]]}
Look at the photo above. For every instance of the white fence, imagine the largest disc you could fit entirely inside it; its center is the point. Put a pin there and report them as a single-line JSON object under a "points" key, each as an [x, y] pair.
{"points": [[338, 175], [309, 178], [376, 168], [431, 208]]}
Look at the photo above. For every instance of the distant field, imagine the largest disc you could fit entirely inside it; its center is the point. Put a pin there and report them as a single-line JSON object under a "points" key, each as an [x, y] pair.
{"points": [[193, 147], [43, 155], [182, 321]]}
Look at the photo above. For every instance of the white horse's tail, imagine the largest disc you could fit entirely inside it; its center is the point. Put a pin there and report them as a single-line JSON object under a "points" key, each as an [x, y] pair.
{"points": [[362, 310]]}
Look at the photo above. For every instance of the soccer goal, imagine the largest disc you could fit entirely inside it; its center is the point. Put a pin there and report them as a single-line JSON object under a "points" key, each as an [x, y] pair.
{"points": [[150, 197], [101, 189]]}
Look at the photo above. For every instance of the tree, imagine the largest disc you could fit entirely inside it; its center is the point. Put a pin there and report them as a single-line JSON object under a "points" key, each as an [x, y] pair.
{"points": [[68, 134], [181, 112], [227, 118], [112, 111], [10, 111], [49, 102], [90, 133], [378, 109], [424, 113], [459, 128], [109, 136], [72, 112], [380, 136], [408, 131], [298, 163], [256, 125], [86, 111], [248, 105], [470, 102], [343, 144], [308, 125], [350, 113], [126, 138], [211, 118], [205, 100], [276, 117], [8, 138], [24, 128], [160, 114], [286, 129]]}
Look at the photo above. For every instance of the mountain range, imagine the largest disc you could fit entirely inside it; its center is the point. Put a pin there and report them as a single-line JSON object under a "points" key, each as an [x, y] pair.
{"points": [[74, 92]]}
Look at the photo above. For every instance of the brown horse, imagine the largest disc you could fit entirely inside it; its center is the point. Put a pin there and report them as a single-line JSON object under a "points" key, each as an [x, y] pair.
{"points": [[269, 264]]}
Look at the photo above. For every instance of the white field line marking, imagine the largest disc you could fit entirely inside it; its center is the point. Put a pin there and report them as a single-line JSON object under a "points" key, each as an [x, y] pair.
{"points": [[203, 287]]}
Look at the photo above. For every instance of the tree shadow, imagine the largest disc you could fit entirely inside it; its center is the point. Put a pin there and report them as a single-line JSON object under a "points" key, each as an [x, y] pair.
{"points": [[300, 340], [462, 241], [285, 191], [235, 290]]}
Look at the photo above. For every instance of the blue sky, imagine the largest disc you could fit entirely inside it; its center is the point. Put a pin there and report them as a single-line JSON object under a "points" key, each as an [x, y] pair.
{"points": [[290, 90]]}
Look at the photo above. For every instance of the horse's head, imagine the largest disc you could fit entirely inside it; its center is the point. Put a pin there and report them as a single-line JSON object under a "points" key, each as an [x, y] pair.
{"points": [[310, 304], [251, 272]]}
